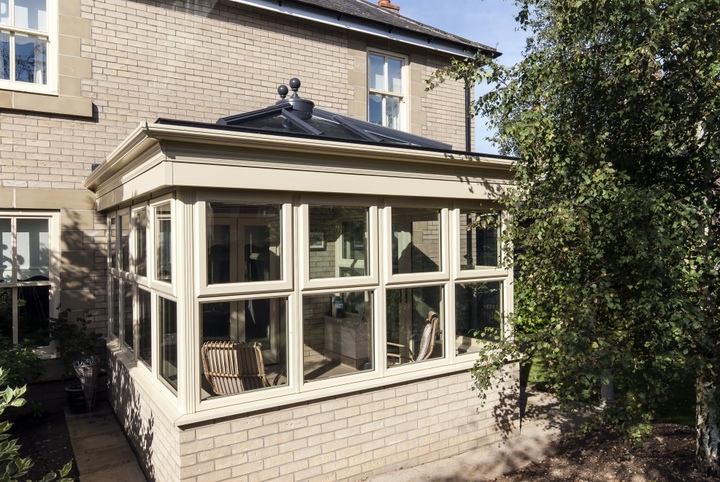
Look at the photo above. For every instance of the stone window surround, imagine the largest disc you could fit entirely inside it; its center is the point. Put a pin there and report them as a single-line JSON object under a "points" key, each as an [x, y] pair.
{"points": [[64, 94]]}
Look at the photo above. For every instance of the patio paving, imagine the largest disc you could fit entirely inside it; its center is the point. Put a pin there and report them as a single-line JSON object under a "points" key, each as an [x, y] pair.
{"points": [[102, 453]]}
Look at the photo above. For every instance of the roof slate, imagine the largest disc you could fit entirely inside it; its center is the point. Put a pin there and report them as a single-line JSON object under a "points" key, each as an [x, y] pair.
{"points": [[390, 18]]}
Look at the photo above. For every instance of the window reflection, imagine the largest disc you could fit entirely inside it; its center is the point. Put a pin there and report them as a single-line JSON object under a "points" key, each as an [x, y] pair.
{"points": [[477, 307], [344, 250], [414, 327], [479, 240], [337, 334], [415, 240], [244, 243], [244, 338], [163, 243], [168, 341]]}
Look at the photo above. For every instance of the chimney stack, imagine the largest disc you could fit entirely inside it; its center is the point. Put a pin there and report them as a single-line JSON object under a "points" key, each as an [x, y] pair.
{"points": [[388, 5]]}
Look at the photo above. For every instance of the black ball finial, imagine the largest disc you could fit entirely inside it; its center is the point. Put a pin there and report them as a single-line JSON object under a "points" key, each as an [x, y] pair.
{"points": [[295, 84], [282, 91]]}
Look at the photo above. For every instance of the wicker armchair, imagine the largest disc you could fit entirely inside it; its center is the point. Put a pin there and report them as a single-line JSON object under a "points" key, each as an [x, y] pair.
{"points": [[234, 367], [427, 342]]}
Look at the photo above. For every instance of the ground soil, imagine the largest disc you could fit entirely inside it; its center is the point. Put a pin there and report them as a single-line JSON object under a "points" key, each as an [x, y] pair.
{"points": [[45, 439], [666, 456]]}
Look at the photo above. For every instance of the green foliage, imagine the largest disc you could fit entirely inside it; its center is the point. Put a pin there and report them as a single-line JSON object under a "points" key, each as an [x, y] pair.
{"points": [[12, 466], [74, 339], [614, 212], [20, 363]]}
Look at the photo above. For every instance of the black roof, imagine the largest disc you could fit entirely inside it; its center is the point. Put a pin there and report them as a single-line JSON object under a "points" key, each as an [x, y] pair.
{"points": [[390, 20]]}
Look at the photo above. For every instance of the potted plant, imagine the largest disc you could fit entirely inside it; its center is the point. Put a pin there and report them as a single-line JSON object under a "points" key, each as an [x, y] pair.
{"points": [[76, 345]]}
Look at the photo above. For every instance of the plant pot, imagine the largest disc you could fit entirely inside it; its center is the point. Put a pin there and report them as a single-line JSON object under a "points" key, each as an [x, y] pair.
{"points": [[75, 398]]}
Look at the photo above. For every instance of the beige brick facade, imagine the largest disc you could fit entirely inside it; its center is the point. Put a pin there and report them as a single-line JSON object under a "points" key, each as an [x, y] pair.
{"points": [[346, 438]]}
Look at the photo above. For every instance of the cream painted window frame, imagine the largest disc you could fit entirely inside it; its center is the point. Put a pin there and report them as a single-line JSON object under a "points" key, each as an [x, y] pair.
{"points": [[402, 97], [52, 54]]}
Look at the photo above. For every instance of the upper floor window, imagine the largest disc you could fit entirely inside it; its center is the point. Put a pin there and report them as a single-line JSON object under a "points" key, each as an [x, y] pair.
{"points": [[25, 44], [386, 89]]}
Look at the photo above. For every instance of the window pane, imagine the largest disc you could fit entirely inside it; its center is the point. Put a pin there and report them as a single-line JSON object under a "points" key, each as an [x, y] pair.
{"points": [[124, 222], [6, 313], [33, 249], [337, 334], [395, 75], [112, 231], [375, 109], [163, 246], [115, 322], [141, 225], [479, 241], [6, 256], [33, 314], [416, 240], [243, 243], [30, 14], [4, 56], [392, 112], [413, 333], [128, 315], [30, 59], [345, 250], [5, 12], [144, 327], [168, 341], [258, 328], [477, 306], [377, 72]]}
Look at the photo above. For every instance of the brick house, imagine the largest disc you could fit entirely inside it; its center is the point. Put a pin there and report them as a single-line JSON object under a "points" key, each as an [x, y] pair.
{"points": [[152, 175]]}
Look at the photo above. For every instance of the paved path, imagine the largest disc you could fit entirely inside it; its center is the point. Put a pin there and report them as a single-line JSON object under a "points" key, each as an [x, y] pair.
{"points": [[102, 453]]}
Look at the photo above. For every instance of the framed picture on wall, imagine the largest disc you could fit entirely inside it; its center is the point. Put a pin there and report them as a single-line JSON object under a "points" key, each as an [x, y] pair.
{"points": [[317, 241]]}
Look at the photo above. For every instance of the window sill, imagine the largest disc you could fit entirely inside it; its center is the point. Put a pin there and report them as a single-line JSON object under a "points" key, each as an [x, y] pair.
{"points": [[46, 103]]}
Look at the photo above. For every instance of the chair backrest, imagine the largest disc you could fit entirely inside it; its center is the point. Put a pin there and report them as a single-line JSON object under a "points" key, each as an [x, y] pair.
{"points": [[233, 367], [427, 340]]}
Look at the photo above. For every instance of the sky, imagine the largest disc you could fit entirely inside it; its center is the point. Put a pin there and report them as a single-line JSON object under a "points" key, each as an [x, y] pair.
{"points": [[489, 22]]}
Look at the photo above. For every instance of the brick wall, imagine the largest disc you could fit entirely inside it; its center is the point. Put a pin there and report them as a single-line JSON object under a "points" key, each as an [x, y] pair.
{"points": [[344, 438]]}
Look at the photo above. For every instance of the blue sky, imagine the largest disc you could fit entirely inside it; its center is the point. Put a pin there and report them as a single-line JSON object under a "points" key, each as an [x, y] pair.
{"points": [[490, 22]]}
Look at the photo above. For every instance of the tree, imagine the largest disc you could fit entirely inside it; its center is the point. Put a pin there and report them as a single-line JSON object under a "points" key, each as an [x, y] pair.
{"points": [[614, 211]]}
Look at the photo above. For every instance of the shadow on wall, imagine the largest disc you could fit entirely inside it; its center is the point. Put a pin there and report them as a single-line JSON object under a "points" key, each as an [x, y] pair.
{"points": [[126, 403]]}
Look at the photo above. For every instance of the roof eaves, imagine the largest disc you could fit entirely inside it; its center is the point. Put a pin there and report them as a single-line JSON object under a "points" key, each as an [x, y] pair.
{"points": [[380, 24]]}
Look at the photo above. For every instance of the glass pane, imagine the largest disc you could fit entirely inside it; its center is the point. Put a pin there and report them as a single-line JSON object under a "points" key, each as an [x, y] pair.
{"points": [[6, 244], [4, 56], [416, 240], [477, 306], [124, 222], [115, 294], [141, 225], [244, 243], [258, 329], [33, 314], [375, 109], [479, 240], [345, 250], [33, 249], [414, 324], [337, 334], [31, 14], [5, 12], [163, 246], [30, 60], [377, 72], [395, 75], [392, 112], [168, 341], [144, 327], [112, 234], [128, 315], [6, 313]]}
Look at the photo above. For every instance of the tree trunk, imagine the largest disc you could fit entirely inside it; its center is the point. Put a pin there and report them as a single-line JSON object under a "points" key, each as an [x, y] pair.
{"points": [[708, 435]]}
